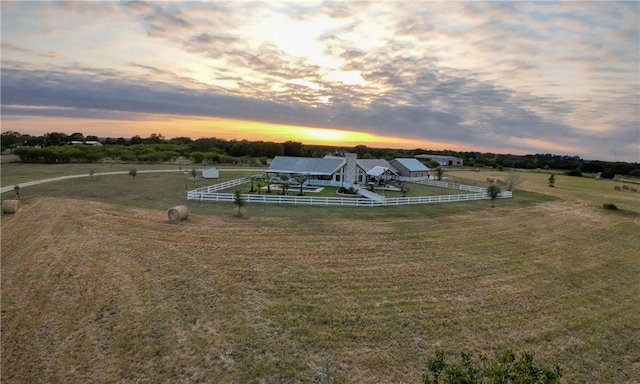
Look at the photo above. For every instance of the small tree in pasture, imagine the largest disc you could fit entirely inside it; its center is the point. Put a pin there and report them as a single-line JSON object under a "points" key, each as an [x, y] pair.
{"points": [[239, 202], [133, 172], [552, 180], [194, 173], [439, 173], [513, 180], [16, 189], [493, 191]]}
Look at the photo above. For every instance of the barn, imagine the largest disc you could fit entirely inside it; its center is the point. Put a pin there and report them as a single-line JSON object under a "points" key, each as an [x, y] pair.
{"points": [[410, 167]]}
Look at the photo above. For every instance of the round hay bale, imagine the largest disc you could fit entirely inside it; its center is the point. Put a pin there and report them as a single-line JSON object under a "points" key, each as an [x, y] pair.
{"points": [[10, 206], [178, 213]]}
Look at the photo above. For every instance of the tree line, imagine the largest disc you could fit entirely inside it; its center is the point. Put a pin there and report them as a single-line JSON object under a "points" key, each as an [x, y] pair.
{"points": [[56, 147]]}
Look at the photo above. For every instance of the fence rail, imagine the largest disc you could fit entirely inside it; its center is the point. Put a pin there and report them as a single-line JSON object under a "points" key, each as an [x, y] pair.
{"points": [[211, 193]]}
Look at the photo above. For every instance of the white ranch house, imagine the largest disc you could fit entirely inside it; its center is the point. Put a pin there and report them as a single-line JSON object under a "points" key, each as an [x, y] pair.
{"points": [[347, 169]]}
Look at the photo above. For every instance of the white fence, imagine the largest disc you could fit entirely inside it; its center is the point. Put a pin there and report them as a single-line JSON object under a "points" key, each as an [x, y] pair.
{"points": [[444, 184], [211, 193]]}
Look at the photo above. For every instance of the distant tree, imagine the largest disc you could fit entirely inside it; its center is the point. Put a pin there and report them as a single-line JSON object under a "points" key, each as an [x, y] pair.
{"points": [[513, 180], [76, 137], [197, 156], [155, 138], [10, 139], [293, 148], [135, 140], [552, 180], [239, 202], [607, 174], [493, 191], [506, 367], [439, 173], [133, 172]]}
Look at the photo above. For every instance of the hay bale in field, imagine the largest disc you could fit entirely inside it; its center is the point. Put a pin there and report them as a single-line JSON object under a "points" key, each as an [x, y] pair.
{"points": [[10, 206], [617, 188], [625, 187], [490, 180], [178, 213]]}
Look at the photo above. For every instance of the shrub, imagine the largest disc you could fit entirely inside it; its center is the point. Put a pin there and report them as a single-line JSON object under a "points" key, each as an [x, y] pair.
{"points": [[610, 206], [507, 367], [575, 172]]}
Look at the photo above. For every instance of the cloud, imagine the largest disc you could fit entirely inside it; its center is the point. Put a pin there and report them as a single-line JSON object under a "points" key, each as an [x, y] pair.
{"points": [[485, 73]]}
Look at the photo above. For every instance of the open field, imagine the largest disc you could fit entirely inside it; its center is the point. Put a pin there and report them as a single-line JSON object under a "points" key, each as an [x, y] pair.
{"points": [[98, 287]]}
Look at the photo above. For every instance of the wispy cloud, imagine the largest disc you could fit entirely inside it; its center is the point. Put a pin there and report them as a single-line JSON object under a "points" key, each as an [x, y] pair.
{"points": [[531, 76]]}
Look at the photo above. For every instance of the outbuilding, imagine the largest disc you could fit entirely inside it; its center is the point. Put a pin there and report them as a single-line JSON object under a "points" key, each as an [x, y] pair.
{"points": [[211, 173], [410, 167]]}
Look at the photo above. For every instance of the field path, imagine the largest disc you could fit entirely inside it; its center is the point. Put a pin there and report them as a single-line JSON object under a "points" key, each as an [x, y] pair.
{"points": [[42, 181]]}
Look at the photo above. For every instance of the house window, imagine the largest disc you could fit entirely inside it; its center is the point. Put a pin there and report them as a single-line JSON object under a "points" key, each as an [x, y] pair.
{"points": [[337, 177]]}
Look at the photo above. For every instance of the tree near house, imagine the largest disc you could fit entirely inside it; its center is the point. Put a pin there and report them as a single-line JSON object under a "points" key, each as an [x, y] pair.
{"points": [[284, 183], [301, 179], [439, 173], [493, 191]]}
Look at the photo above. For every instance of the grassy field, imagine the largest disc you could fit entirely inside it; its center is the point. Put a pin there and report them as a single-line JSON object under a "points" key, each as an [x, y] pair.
{"points": [[98, 287]]}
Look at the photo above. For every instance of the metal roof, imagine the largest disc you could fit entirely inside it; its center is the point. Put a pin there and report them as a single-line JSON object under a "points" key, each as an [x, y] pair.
{"points": [[310, 165], [379, 170], [437, 157], [412, 165], [367, 164]]}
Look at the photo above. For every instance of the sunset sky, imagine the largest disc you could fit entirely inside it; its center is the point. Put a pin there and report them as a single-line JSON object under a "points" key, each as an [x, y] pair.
{"points": [[505, 77]]}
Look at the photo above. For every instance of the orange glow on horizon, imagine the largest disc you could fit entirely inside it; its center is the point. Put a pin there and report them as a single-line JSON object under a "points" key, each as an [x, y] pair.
{"points": [[223, 128]]}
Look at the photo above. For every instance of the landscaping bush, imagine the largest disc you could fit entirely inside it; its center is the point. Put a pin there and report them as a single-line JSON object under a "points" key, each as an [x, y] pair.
{"points": [[610, 206]]}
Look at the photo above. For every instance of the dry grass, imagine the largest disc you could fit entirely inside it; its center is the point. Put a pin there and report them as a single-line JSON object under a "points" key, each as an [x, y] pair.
{"points": [[95, 292]]}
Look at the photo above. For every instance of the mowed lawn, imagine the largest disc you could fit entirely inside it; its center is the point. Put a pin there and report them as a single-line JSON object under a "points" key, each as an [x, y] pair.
{"points": [[98, 287]]}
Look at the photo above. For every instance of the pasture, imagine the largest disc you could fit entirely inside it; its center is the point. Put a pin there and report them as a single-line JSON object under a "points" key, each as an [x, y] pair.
{"points": [[97, 286]]}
